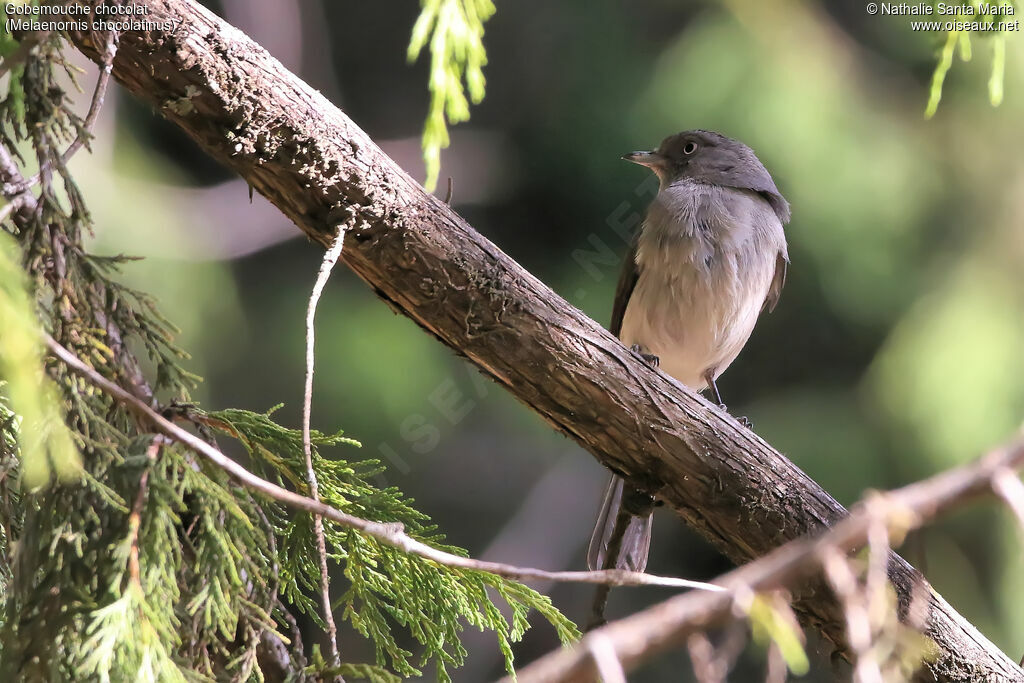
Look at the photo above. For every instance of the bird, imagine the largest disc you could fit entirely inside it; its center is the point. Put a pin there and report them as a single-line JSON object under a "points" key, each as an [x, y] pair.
{"points": [[710, 256]]}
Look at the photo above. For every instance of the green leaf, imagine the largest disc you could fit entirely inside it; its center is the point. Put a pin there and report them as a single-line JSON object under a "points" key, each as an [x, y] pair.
{"points": [[995, 81], [454, 30], [769, 625], [45, 443], [939, 77], [962, 40]]}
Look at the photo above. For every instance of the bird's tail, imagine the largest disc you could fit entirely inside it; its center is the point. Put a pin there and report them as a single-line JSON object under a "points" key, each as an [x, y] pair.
{"points": [[634, 533]]}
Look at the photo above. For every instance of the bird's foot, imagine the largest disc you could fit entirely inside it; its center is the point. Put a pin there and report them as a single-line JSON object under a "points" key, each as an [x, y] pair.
{"points": [[745, 421], [648, 358]]}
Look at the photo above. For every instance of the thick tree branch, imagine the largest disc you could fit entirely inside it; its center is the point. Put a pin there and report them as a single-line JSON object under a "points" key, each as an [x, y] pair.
{"points": [[322, 171]]}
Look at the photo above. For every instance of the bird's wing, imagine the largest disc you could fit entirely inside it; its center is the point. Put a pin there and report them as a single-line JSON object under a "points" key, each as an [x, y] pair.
{"points": [[778, 280], [627, 281]]}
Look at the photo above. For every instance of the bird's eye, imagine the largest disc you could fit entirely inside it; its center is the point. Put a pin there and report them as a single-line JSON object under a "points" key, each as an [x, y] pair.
{"points": [[689, 148]]}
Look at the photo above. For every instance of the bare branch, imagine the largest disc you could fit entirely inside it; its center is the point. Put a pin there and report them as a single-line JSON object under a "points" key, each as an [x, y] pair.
{"points": [[642, 635], [877, 581], [326, 266], [858, 624], [776, 665], [95, 104], [706, 666], [389, 534], [135, 518], [1008, 486], [98, 96], [14, 189], [15, 203], [606, 661]]}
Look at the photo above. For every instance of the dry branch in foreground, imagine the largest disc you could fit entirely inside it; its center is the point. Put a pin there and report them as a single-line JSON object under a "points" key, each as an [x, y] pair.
{"points": [[638, 637], [293, 146]]}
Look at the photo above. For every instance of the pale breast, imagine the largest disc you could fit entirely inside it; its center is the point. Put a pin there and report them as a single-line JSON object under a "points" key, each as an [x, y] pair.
{"points": [[706, 257]]}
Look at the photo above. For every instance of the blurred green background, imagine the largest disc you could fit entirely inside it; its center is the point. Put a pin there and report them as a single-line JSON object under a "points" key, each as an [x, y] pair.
{"points": [[896, 349]]}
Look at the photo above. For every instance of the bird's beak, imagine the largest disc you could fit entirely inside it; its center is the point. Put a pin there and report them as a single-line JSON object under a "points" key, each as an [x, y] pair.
{"points": [[649, 159]]}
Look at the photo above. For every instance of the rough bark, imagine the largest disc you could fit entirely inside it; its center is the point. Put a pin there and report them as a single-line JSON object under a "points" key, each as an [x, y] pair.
{"points": [[417, 254]]}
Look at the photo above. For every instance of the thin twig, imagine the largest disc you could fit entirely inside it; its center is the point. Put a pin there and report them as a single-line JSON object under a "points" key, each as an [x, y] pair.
{"points": [[859, 630], [135, 518], [271, 642], [326, 266], [13, 205], [13, 183], [98, 96], [702, 658], [875, 593], [606, 661], [776, 665], [1008, 486], [15, 191], [389, 534]]}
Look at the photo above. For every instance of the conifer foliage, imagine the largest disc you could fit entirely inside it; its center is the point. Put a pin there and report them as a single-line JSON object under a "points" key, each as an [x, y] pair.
{"points": [[123, 555]]}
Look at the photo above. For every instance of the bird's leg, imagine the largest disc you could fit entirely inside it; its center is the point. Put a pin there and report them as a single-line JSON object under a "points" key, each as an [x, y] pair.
{"points": [[648, 358], [709, 377]]}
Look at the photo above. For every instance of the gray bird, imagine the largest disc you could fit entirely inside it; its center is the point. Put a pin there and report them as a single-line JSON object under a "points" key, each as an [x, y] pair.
{"points": [[709, 257]]}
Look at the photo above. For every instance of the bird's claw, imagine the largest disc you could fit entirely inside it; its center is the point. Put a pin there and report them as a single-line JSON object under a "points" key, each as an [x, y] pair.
{"points": [[648, 358], [745, 421]]}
